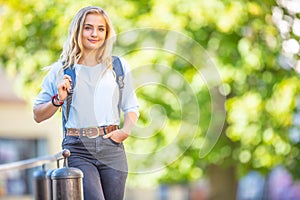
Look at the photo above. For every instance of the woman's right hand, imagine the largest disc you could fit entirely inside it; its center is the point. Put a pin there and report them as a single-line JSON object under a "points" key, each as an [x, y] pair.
{"points": [[46, 110], [64, 86]]}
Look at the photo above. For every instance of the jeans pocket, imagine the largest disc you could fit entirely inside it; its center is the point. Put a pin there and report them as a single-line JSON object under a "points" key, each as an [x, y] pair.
{"points": [[114, 142]]}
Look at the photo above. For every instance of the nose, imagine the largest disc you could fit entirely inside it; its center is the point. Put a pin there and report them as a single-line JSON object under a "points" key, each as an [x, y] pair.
{"points": [[94, 32]]}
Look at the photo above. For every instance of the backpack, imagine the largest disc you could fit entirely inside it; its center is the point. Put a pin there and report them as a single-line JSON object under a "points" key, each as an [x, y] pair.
{"points": [[118, 69]]}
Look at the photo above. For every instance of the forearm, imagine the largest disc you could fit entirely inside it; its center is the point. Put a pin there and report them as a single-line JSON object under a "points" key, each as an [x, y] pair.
{"points": [[129, 122], [44, 111]]}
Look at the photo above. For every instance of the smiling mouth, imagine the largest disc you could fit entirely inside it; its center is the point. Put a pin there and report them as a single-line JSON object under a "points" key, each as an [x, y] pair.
{"points": [[93, 41]]}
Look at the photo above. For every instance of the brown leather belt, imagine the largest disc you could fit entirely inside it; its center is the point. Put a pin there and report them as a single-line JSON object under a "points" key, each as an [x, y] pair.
{"points": [[91, 132]]}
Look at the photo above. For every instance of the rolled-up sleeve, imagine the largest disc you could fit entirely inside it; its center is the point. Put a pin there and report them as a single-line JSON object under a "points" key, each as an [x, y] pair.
{"points": [[129, 99], [48, 87]]}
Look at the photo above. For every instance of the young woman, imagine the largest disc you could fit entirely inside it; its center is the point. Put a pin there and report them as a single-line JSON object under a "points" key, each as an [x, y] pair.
{"points": [[91, 128]]}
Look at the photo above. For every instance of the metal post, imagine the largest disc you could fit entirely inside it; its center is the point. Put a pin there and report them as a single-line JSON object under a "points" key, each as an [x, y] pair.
{"points": [[49, 184], [40, 184], [67, 182]]}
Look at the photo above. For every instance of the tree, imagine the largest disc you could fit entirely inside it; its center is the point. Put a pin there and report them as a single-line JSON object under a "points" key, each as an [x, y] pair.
{"points": [[241, 40]]}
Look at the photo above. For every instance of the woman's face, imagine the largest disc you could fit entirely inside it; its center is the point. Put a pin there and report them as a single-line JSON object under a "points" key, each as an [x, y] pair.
{"points": [[94, 32]]}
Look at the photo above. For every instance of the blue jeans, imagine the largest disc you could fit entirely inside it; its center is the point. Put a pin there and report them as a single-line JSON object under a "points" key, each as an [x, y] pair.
{"points": [[103, 163]]}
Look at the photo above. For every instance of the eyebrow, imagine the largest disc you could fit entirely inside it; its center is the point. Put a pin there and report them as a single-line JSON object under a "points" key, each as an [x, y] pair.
{"points": [[92, 25]]}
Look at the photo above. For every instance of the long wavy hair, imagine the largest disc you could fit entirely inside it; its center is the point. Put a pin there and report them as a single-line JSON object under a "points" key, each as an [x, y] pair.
{"points": [[72, 50]]}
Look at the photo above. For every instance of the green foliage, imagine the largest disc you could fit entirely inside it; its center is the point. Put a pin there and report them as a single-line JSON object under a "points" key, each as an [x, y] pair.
{"points": [[239, 37]]}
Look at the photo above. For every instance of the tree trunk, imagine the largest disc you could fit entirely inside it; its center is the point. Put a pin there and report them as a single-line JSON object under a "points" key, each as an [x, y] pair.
{"points": [[223, 183]]}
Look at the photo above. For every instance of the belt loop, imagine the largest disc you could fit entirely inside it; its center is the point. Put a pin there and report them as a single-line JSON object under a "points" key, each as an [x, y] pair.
{"points": [[104, 130]]}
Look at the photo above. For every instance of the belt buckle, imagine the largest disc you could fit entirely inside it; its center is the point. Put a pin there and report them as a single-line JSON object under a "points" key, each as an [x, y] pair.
{"points": [[90, 131]]}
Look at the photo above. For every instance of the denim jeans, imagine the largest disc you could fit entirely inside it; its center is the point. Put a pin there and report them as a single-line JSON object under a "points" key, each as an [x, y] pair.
{"points": [[103, 163]]}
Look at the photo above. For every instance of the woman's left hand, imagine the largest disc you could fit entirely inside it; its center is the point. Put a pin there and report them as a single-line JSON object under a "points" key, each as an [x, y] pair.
{"points": [[118, 135]]}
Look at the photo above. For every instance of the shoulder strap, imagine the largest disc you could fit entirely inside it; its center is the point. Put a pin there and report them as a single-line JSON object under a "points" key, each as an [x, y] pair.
{"points": [[71, 72], [117, 66]]}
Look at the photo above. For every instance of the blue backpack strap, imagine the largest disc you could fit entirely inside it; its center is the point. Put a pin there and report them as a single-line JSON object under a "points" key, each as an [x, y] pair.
{"points": [[117, 67], [71, 72]]}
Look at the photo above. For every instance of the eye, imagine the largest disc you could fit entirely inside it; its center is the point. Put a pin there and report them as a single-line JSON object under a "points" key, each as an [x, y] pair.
{"points": [[87, 28], [101, 29]]}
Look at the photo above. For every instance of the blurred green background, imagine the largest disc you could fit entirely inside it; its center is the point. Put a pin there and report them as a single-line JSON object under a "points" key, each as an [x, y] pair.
{"points": [[253, 44]]}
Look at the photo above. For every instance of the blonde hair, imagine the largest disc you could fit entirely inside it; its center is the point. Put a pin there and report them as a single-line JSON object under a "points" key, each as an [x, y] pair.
{"points": [[72, 50]]}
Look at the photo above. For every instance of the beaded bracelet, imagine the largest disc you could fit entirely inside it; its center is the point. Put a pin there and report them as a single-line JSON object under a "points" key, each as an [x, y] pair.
{"points": [[55, 98]]}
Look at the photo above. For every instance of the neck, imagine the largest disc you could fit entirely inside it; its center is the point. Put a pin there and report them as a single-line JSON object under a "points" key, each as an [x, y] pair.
{"points": [[88, 59]]}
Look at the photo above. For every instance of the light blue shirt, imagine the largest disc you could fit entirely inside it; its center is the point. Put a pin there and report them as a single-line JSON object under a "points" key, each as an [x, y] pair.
{"points": [[95, 96]]}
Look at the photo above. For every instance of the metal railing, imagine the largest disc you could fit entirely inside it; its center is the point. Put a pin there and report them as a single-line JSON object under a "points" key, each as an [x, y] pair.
{"points": [[30, 163], [57, 184]]}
